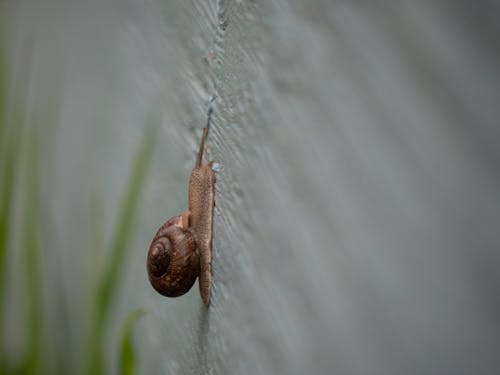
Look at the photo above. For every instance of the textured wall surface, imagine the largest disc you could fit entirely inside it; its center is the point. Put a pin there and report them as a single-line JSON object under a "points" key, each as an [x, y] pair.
{"points": [[358, 203]]}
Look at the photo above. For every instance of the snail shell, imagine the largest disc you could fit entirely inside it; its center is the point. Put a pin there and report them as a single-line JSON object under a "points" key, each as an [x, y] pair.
{"points": [[173, 261]]}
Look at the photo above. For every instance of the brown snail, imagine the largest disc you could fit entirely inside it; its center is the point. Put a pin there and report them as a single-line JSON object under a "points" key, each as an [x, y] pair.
{"points": [[181, 250]]}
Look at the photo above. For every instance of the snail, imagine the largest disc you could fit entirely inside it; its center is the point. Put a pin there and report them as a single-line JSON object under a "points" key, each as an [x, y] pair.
{"points": [[181, 250]]}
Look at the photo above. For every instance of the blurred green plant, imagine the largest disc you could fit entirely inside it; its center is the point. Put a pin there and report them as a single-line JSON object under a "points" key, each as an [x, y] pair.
{"points": [[109, 281], [22, 150], [7, 155], [11, 144], [127, 359], [31, 217], [33, 360], [12, 168]]}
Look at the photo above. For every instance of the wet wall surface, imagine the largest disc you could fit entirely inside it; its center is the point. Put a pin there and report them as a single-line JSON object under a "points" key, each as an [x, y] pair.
{"points": [[357, 207]]}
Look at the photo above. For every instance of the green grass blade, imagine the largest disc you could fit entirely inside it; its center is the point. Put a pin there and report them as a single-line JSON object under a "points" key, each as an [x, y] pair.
{"points": [[109, 283], [7, 174], [127, 350], [2, 78], [9, 163], [33, 362], [124, 229], [7, 182]]}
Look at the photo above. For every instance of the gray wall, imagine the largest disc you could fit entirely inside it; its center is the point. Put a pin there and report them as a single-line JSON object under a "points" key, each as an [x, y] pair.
{"points": [[358, 206]]}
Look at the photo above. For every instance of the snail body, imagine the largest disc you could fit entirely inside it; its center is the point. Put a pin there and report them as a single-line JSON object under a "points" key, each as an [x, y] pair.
{"points": [[181, 250]]}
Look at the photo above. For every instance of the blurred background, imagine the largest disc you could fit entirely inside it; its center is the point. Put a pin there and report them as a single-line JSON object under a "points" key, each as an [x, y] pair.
{"points": [[357, 222]]}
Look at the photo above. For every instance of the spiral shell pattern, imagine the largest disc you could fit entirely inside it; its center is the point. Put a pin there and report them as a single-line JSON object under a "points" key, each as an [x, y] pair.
{"points": [[173, 262]]}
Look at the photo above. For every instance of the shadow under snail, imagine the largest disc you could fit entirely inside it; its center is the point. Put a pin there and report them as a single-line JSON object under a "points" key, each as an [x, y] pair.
{"points": [[181, 250]]}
